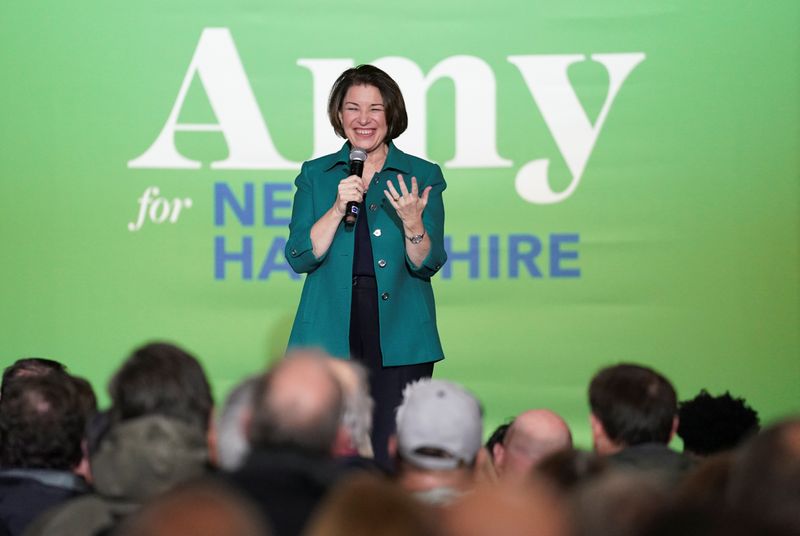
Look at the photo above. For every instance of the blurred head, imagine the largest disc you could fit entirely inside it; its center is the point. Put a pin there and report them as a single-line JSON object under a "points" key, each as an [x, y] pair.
{"points": [[765, 477], [706, 483], [297, 404], [86, 395], [29, 366], [566, 470], [366, 97], [358, 404], [631, 405], [232, 445], [532, 436], [508, 510], [618, 503], [42, 423], [710, 424], [200, 508], [495, 440], [369, 506], [160, 378]]}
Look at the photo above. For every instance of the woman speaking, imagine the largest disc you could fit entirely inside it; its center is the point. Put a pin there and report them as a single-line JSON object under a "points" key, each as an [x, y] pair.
{"points": [[367, 292]]}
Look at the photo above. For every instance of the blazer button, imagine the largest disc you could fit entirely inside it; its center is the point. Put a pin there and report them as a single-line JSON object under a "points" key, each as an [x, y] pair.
{"points": [[294, 253], [376, 180], [373, 207], [385, 296], [382, 263], [377, 232]]}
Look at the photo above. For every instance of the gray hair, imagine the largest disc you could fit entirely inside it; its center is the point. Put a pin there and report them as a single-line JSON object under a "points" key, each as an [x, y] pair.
{"points": [[232, 443], [357, 416]]}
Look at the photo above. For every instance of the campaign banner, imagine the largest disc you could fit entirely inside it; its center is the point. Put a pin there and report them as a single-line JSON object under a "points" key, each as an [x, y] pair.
{"points": [[623, 184]]}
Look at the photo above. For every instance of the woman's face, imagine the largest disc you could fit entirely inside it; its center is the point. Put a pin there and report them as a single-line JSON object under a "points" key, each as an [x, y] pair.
{"points": [[363, 117]]}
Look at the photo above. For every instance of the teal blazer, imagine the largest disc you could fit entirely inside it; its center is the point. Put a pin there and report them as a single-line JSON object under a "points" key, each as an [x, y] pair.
{"points": [[407, 312]]}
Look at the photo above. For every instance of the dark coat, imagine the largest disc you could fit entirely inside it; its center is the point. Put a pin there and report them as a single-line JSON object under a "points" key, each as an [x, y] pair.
{"points": [[138, 459], [654, 458], [286, 485], [26, 493]]}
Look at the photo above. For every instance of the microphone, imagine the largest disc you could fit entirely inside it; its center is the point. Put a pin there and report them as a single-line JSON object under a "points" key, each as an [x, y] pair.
{"points": [[357, 158]]}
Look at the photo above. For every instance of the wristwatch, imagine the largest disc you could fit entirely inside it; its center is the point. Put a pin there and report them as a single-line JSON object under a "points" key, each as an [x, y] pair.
{"points": [[416, 239]]}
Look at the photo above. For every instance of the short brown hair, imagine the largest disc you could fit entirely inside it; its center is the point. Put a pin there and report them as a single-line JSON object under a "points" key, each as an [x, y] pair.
{"points": [[368, 75], [635, 404]]}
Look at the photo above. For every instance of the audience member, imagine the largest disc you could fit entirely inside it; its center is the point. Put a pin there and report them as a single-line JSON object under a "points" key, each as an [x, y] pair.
{"points": [[197, 508], [86, 395], [159, 421], [765, 477], [232, 445], [369, 506], [711, 424], [41, 428], [486, 470], [29, 366], [634, 414], [358, 406], [88, 403], [496, 439], [618, 503], [705, 485], [286, 440], [532, 435], [687, 520], [296, 415], [438, 438], [567, 469], [492, 510]]}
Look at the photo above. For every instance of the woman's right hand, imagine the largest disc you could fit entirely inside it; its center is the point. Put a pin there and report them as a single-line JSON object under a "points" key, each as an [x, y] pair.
{"points": [[350, 189]]}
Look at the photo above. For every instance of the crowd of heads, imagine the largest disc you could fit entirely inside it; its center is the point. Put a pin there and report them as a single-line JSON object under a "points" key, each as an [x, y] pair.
{"points": [[288, 452]]}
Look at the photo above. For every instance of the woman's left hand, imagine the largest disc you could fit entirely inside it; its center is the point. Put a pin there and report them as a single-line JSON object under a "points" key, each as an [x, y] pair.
{"points": [[409, 205]]}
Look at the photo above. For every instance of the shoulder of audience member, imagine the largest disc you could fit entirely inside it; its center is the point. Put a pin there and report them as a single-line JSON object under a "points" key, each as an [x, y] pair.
{"points": [[83, 516]]}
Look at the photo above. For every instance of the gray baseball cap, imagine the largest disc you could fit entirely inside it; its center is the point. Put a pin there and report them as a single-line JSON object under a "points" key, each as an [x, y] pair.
{"points": [[439, 425]]}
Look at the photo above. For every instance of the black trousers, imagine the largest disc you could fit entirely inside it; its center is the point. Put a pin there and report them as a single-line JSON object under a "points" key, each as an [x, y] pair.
{"points": [[386, 384]]}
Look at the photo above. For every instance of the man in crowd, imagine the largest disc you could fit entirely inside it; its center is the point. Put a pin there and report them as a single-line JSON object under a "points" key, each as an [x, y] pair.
{"points": [[438, 439], [29, 366], [232, 445], [765, 478], [42, 425], [634, 415], [158, 438], [353, 445], [295, 420], [533, 435]]}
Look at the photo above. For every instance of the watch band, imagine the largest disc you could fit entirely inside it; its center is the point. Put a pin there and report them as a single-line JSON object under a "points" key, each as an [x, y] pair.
{"points": [[416, 239]]}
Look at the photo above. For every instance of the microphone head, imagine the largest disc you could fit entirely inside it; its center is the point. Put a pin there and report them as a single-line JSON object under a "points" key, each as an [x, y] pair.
{"points": [[358, 154]]}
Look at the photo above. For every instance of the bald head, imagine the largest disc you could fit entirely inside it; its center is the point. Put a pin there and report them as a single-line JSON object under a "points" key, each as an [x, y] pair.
{"points": [[532, 436], [297, 404]]}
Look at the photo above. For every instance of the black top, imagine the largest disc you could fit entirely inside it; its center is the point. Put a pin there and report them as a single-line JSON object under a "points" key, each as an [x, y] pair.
{"points": [[286, 485], [362, 254]]}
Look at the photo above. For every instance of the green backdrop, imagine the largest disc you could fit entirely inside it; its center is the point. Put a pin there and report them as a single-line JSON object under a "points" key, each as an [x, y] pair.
{"points": [[623, 183]]}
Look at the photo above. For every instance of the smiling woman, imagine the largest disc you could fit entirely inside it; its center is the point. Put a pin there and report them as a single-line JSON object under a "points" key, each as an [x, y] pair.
{"points": [[363, 118], [367, 293]]}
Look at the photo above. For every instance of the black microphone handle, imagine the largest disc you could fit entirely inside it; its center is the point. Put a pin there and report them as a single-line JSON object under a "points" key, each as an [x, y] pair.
{"points": [[351, 212]]}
